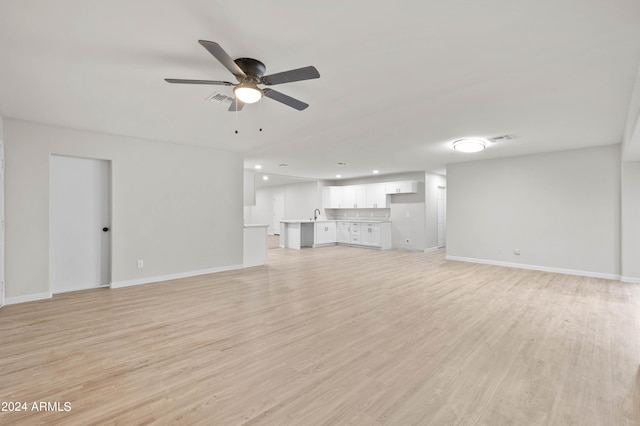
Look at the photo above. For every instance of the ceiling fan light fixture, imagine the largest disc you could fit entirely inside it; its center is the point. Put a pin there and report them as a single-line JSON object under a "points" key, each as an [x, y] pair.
{"points": [[247, 93], [469, 145]]}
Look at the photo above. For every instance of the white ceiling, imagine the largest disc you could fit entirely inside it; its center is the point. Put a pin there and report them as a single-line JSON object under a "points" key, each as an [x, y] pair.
{"points": [[399, 80]]}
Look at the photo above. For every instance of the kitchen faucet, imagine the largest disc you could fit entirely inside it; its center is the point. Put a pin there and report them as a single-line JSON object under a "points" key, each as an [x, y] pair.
{"points": [[315, 216]]}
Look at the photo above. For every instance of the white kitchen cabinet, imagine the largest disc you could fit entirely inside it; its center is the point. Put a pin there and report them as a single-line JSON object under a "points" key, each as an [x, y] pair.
{"points": [[355, 233], [403, 187], [348, 199], [360, 196], [343, 234], [353, 197], [331, 197], [325, 233], [376, 196], [370, 234]]}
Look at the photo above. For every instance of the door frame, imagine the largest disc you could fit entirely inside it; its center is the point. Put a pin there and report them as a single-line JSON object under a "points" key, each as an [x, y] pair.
{"points": [[110, 210], [276, 229], [442, 190], [2, 248]]}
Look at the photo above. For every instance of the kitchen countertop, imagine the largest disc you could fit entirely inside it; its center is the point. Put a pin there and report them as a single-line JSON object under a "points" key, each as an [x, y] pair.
{"points": [[364, 219]]}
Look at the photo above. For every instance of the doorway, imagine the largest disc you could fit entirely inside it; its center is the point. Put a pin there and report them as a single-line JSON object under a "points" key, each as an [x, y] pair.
{"points": [[442, 229], [278, 213], [80, 243], [2, 224]]}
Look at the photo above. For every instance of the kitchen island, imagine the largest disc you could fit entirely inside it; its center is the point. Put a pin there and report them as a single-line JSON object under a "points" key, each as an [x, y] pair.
{"points": [[374, 234], [296, 234]]}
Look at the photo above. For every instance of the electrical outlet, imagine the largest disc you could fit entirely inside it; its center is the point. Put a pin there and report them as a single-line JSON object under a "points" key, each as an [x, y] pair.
{"points": [[516, 251], [140, 263]]}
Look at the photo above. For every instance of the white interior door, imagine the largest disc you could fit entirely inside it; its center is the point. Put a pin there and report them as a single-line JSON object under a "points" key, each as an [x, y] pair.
{"points": [[80, 223], [2, 224], [278, 212], [441, 218]]}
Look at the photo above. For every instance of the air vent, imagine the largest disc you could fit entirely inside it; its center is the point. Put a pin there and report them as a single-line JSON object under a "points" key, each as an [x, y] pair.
{"points": [[220, 98], [503, 138]]}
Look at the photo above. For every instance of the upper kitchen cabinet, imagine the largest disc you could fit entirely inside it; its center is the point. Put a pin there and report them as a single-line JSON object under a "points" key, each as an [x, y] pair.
{"points": [[403, 187], [354, 197], [331, 197], [376, 196], [369, 196]]}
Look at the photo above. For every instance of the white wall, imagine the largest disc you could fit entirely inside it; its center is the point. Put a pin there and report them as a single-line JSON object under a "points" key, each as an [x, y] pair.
{"points": [[177, 207], [562, 210], [630, 222], [249, 188], [300, 200], [432, 182]]}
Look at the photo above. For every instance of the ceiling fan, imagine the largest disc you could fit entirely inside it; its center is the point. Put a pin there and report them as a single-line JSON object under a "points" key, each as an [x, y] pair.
{"points": [[249, 73]]}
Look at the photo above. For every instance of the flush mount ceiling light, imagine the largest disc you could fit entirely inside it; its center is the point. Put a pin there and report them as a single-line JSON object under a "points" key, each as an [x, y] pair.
{"points": [[257, 166], [247, 92], [265, 177], [469, 145], [375, 172]]}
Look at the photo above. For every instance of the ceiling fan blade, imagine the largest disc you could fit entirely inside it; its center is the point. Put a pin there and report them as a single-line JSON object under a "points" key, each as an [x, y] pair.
{"points": [[287, 100], [222, 56], [236, 105], [305, 73], [182, 81]]}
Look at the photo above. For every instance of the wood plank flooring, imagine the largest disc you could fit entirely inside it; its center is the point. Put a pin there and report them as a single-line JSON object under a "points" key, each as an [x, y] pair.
{"points": [[335, 335]]}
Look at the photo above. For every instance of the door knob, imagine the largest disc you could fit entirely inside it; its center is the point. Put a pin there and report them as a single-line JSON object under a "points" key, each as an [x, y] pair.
{"points": [[105, 229]]}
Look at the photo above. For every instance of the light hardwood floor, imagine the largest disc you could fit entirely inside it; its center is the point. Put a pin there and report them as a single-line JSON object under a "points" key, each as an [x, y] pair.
{"points": [[335, 335]]}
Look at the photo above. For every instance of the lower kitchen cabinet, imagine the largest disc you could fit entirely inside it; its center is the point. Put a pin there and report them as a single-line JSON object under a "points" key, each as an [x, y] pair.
{"points": [[344, 233], [372, 234], [359, 234], [325, 233]]}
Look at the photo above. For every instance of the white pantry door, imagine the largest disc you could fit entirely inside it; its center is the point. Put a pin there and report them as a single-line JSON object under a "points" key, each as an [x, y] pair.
{"points": [[442, 240], [278, 212], [80, 223], [2, 224]]}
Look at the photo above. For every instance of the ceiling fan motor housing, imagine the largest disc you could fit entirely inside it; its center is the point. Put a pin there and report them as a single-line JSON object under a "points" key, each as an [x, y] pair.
{"points": [[251, 67]]}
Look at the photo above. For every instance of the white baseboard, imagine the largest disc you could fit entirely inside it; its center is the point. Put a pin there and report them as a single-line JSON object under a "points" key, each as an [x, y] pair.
{"points": [[158, 278], [27, 298], [430, 249], [537, 268], [632, 280]]}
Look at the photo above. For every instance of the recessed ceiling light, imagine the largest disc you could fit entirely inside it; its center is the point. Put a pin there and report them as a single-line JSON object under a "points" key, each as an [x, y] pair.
{"points": [[265, 177], [257, 167], [342, 164], [375, 172], [469, 145], [338, 176], [282, 165]]}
